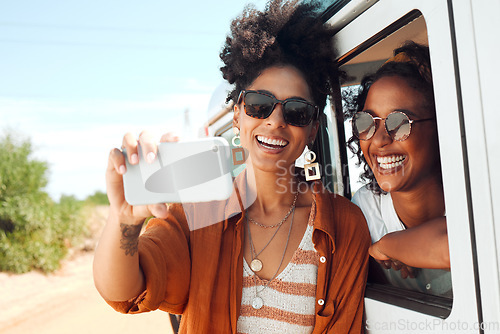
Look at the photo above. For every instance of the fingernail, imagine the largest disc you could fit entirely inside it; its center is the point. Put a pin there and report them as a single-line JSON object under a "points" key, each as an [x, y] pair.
{"points": [[122, 169], [150, 157], [134, 159]]}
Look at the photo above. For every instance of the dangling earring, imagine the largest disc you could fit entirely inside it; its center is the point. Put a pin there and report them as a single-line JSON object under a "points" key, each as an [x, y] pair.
{"points": [[311, 168], [237, 149]]}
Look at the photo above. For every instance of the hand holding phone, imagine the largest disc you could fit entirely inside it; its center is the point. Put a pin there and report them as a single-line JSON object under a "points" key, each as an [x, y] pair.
{"points": [[191, 171]]}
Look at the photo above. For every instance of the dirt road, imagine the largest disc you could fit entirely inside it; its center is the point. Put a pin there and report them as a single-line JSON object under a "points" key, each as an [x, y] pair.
{"points": [[67, 302]]}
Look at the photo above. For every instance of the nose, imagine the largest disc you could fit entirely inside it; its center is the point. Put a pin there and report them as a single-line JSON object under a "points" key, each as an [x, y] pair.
{"points": [[276, 118], [381, 137]]}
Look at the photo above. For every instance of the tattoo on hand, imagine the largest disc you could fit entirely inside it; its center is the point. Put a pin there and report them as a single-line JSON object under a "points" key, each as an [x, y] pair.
{"points": [[129, 241]]}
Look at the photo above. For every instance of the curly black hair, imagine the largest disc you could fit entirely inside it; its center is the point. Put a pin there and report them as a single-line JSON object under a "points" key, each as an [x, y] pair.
{"points": [[416, 70], [285, 33]]}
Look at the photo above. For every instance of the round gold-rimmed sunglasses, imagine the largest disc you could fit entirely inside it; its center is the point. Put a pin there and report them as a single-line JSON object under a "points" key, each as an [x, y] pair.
{"points": [[397, 125]]}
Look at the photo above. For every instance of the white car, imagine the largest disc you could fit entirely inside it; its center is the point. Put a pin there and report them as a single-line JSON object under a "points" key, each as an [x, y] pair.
{"points": [[463, 38]]}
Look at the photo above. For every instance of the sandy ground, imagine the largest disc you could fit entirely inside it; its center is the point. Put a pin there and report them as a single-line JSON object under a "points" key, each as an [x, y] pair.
{"points": [[67, 302]]}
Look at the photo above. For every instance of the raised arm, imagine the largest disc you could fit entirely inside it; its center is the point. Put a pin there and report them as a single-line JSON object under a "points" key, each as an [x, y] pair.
{"points": [[117, 274], [422, 246]]}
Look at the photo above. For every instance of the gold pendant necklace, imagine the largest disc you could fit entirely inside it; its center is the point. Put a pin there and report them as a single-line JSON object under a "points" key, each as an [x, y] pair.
{"points": [[256, 264], [257, 301]]}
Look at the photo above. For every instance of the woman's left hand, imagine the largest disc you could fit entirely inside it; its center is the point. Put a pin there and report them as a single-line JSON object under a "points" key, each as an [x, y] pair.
{"points": [[389, 263]]}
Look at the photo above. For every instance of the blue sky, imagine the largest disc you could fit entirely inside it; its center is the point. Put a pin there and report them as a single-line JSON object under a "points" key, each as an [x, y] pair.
{"points": [[77, 75]]}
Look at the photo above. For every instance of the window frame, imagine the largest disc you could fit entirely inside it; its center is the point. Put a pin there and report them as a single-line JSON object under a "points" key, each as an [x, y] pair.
{"points": [[364, 30]]}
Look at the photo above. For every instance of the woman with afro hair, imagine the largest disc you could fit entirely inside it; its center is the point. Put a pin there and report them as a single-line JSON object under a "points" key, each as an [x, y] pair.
{"points": [[288, 256]]}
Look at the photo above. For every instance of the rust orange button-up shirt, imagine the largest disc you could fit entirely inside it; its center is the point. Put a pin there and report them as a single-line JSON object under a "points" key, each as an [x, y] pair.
{"points": [[198, 271]]}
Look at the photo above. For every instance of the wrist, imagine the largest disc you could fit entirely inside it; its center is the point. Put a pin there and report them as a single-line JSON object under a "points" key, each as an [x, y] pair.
{"points": [[118, 217], [379, 251]]}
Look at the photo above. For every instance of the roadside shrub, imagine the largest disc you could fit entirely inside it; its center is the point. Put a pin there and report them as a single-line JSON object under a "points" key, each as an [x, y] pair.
{"points": [[97, 198], [35, 231]]}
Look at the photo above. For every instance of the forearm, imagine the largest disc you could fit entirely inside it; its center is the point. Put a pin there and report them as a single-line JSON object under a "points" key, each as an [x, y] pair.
{"points": [[117, 274], [423, 246]]}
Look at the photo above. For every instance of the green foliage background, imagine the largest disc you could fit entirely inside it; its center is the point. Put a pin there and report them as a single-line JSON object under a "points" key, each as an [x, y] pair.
{"points": [[35, 231]]}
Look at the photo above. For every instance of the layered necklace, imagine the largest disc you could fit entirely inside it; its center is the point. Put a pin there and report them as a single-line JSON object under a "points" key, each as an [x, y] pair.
{"points": [[253, 221], [256, 264]]}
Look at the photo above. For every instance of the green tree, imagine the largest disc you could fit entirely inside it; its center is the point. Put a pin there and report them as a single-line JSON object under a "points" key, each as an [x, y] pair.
{"points": [[35, 232]]}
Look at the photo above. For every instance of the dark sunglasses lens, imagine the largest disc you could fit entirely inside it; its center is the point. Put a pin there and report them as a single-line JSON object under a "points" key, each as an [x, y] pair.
{"points": [[363, 125], [258, 105], [298, 113], [398, 126]]}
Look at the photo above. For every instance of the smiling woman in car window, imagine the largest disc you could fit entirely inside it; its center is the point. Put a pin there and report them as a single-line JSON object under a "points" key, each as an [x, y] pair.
{"points": [[395, 137]]}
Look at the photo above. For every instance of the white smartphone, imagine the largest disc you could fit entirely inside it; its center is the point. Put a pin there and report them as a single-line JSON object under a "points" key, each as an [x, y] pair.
{"points": [[183, 172]]}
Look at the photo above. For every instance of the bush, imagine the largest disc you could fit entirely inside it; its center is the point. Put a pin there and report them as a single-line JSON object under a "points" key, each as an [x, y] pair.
{"points": [[35, 231], [97, 198]]}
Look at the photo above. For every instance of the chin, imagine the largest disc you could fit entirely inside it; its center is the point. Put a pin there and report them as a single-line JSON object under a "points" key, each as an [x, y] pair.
{"points": [[270, 167], [387, 186]]}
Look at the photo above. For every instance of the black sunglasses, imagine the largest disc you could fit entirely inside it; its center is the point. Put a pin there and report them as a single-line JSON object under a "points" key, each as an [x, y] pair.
{"points": [[260, 105], [397, 125]]}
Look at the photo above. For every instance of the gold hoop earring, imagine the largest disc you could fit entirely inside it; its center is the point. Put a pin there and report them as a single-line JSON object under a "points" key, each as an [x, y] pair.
{"points": [[237, 152], [311, 168]]}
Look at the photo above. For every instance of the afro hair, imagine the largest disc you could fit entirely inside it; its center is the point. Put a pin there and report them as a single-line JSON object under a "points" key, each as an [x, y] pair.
{"points": [[285, 33]]}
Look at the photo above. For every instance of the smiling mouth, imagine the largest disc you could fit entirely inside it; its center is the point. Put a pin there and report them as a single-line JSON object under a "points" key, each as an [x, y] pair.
{"points": [[270, 143], [390, 161]]}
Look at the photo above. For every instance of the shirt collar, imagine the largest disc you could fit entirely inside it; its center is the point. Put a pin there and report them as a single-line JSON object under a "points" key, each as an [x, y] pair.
{"points": [[239, 200], [324, 212]]}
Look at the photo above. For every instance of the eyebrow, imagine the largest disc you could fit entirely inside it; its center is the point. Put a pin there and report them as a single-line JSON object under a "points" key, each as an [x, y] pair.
{"points": [[371, 112], [291, 97], [406, 111]]}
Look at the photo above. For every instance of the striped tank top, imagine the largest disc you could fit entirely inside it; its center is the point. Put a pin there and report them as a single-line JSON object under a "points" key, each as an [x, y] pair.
{"points": [[289, 299]]}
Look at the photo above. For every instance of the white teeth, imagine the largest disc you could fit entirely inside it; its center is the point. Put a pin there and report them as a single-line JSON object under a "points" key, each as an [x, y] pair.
{"points": [[275, 142], [388, 162]]}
